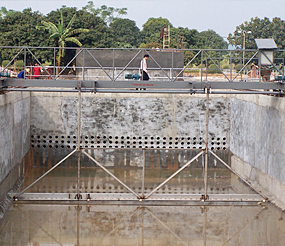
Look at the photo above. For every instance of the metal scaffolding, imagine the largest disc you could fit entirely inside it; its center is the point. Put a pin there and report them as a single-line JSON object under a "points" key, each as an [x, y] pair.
{"points": [[142, 198], [170, 85]]}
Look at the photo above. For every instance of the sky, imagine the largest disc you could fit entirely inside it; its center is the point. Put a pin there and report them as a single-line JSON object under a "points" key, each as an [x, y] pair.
{"points": [[222, 16]]}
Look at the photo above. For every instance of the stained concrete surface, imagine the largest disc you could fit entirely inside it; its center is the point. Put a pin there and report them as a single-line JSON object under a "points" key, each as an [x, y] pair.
{"points": [[257, 139], [14, 138]]}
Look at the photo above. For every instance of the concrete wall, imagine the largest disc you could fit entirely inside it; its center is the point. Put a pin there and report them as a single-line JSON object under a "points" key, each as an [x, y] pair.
{"points": [[14, 137], [257, 140], [134, 120]]}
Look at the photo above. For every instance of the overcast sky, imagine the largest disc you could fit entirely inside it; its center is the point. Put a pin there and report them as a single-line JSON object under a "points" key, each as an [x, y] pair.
{"points": [[221, 16]]}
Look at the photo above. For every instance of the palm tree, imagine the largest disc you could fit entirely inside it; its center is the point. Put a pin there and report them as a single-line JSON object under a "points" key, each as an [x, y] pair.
{"points": [[62, 34]]}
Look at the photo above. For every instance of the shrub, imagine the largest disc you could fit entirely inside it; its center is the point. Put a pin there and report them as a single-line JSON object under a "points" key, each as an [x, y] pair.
{"points": [[5, 63], [20, 64], [213, 69]]}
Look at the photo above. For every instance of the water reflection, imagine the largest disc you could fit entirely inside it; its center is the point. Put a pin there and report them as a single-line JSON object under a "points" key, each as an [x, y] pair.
{"points": [[153, 225], [127, 166]]}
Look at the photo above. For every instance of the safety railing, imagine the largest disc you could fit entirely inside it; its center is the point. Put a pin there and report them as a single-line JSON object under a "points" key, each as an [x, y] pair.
{"points": [[98, 64]]}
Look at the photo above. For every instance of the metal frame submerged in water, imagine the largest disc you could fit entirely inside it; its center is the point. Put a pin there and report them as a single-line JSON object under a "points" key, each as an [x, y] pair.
{"points": [[169, 85], [133, 197]]}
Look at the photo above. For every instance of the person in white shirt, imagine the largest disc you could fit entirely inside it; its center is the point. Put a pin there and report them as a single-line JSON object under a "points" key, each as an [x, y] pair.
{"points": [[144, 68]]}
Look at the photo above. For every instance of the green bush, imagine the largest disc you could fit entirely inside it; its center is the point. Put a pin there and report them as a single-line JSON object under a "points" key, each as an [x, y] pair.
{"points": [[20, 65], [213, 69], [227, 66], [5, 63], [238, 67]]}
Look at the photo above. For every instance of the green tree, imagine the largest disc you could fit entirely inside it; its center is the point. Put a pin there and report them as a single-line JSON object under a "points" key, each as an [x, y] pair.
{"points": [[210, 40], [126, 33], [62, 34], [183, 38], [107, 14], [152, 29], [18, 29], [99, 35], [259, 28], [4, 12]]}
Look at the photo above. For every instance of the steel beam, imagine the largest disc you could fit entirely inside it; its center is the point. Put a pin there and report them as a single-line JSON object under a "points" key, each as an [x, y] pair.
{"points": [[157, 86], [125, 197]]}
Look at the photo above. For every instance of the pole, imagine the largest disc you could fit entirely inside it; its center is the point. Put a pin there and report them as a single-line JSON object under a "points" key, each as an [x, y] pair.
{"points": [[243, 54], [207, 143], [79, 140]]}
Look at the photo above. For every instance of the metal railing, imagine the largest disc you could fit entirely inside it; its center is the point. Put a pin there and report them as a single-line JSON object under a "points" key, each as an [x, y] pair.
{"points": [[99, 64]]}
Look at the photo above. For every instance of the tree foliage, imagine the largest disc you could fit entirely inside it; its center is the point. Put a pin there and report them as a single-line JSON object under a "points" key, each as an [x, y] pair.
{"points": [[108, 30], [152, 29], [125, 32], [62, 34], [259, 28], [107, 14], [210, 40]]}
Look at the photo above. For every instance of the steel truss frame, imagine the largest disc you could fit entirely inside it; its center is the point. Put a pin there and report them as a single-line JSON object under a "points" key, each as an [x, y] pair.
{"points": [[228, 84], [133, 197], [202, 56], [168, 85]]}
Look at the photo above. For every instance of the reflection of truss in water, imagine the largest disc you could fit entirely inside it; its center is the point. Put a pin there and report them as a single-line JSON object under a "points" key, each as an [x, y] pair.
{"points": [[138, 223], [143, 198]]}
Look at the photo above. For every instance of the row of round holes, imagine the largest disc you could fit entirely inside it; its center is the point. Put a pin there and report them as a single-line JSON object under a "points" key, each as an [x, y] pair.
{"points": [[122, 142], [122, 147], [123, 137]]}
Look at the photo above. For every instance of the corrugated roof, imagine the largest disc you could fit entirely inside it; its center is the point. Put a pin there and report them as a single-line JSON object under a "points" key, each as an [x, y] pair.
{"points": [[265, 44]]}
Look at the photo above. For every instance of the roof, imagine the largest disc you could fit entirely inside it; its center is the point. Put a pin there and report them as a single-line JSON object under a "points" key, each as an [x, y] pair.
{"points": [[265, 44]]}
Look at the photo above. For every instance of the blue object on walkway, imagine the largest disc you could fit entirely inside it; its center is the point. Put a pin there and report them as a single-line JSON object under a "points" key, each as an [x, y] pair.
{"points": [[132, 76]]}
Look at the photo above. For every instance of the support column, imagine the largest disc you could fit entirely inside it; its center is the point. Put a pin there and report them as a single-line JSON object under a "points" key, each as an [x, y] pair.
{"points": [[205, 196], [79, 196]]}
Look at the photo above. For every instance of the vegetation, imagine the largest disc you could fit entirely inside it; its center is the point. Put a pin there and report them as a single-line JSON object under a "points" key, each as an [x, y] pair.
{"points": [[62, 34], [105, 27], [259, 28]]}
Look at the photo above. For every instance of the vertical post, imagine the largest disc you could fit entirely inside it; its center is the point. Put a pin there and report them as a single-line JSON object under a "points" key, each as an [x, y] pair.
{"points": [[83, 75], [231, 67], [54, 62], [202, 66], [207, 143], [113, 64], [206, 65], [79, 139], [243, 50], [172, 67], [25, 61]]}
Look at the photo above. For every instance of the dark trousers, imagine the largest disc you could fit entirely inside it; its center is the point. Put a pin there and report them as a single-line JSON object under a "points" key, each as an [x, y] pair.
{"points": [[145, 76]]}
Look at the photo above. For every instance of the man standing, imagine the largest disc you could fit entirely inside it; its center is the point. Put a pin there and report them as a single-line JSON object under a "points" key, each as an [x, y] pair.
{"points": [[144, 68]]}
